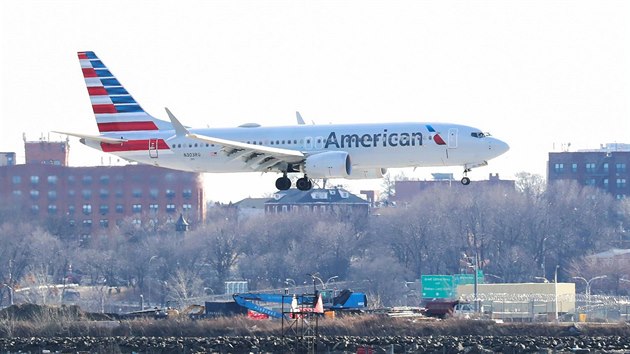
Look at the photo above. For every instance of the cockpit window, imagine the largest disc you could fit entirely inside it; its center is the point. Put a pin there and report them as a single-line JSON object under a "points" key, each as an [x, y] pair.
{"points": [[479, 134]]}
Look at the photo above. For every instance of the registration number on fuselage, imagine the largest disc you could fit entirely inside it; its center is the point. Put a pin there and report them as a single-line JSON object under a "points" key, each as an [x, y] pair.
{"points": [[192, 154]]}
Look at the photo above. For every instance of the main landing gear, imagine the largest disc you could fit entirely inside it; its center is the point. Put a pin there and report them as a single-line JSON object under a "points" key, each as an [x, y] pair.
{"points": [[304, 183], [465, 180], [283, 183]]}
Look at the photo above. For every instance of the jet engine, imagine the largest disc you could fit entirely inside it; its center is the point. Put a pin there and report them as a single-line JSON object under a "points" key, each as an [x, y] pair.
{"points": [[331, 164], [367, 173]]}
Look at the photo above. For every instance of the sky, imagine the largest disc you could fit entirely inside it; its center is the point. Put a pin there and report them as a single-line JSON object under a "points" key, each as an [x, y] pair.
{"points": [[539, 75]]}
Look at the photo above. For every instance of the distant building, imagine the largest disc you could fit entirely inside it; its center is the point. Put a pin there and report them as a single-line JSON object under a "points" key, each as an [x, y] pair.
{"points": [[93, 199], [408, 190], [606, 168], [251, 206], [7, 158], [334, 201]]}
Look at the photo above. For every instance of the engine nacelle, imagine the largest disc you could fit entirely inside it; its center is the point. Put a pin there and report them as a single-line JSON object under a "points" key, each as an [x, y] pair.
{"points": [[331, 164], [367, 174]]}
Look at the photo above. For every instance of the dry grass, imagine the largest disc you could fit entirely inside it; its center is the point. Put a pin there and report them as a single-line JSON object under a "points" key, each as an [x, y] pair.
{"points": [[40, 321]]}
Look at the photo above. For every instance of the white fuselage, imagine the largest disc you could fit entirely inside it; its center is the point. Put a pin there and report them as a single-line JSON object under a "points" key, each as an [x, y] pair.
{"points": [[370, 146]]}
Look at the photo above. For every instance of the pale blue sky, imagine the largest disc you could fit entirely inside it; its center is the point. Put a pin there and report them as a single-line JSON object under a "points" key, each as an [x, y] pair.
{"points": [[536, 74]]}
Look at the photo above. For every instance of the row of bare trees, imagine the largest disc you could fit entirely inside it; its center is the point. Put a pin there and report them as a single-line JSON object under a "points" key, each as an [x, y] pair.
{"points": [[516, 234]]}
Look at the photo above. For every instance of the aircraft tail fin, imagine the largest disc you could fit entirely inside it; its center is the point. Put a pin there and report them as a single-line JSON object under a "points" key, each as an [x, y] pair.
{"points": [[115, 109]]}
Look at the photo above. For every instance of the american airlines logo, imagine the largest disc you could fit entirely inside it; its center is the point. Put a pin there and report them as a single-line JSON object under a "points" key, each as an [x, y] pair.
{"points": [[383, 139]]}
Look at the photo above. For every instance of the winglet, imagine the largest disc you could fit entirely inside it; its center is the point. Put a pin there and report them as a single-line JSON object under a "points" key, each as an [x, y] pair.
{"points": [[180, 130], [299, 118]]}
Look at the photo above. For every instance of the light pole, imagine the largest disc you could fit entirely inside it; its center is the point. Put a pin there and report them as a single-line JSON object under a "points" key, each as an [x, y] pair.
{"points": [[588, 288], [314, 276], [329, 280], [149, 294], [555, 291]]}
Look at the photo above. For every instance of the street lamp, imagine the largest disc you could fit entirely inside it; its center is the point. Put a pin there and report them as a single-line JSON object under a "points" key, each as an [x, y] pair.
{"points": [[543, 279], [314, 276], [555, 290], [329, 280], [149, 294], [588, 287]]}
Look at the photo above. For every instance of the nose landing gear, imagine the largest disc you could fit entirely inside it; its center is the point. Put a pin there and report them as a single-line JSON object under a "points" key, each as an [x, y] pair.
{"points": [[465, 180]]}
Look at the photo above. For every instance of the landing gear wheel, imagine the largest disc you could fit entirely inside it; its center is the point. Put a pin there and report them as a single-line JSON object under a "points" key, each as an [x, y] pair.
{"points": [[465, 181], [283, 183], [304, 184]]}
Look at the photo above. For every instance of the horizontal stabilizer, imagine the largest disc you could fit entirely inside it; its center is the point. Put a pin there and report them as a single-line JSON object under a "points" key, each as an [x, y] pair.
{"points": [[99, 138]]}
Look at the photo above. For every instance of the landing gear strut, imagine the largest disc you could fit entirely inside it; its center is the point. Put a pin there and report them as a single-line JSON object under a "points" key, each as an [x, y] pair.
{"points": [[283, 183], [465, 180], [304, 184]]}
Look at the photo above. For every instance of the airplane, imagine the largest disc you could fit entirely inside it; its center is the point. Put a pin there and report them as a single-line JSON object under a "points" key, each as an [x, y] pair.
{"points": [[351, 151]]}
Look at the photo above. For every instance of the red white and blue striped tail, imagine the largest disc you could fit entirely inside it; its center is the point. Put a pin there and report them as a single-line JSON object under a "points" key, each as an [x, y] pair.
{"points": [[113, 106]]}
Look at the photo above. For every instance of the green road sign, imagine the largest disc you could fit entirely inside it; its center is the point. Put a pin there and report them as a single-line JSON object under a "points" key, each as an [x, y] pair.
{"points": [[438, 286]]}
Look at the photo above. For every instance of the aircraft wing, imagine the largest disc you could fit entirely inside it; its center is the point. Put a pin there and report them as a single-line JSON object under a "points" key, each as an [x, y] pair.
{"points": [[99, 138], [257, 157]]}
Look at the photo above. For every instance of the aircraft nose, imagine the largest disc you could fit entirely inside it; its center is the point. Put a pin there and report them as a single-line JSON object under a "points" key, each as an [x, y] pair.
{"points": [[498, 146]]}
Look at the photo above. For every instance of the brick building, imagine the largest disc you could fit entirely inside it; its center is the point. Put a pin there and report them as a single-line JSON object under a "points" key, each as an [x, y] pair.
{"points": [[93, 199], [606, 168], [406, 191]]}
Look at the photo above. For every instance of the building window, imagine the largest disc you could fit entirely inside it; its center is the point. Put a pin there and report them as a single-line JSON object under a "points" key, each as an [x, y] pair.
{"points": [[104, 179], [87, 180], [72, 193], [86, 193], [104, 223], [34, 194], [87, 209], [16, 179], [17, 193], [35, 209], [52, 180], [621, 167], [186, 207], [590, 167], [606, 183], [136, 208], [87, 223], [104, 193], [558, 168], [605, 166], [574, 167], [119, 208], [71, 209], [621, 183], [52, 209], [187, 193], [154, 193], [170, 193], [153, 207], [71, 180], [170, 208], [104, 209], [52, 195], [119, 193], [136, 192], [619, 196], [34, 179], [590, 182]]}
